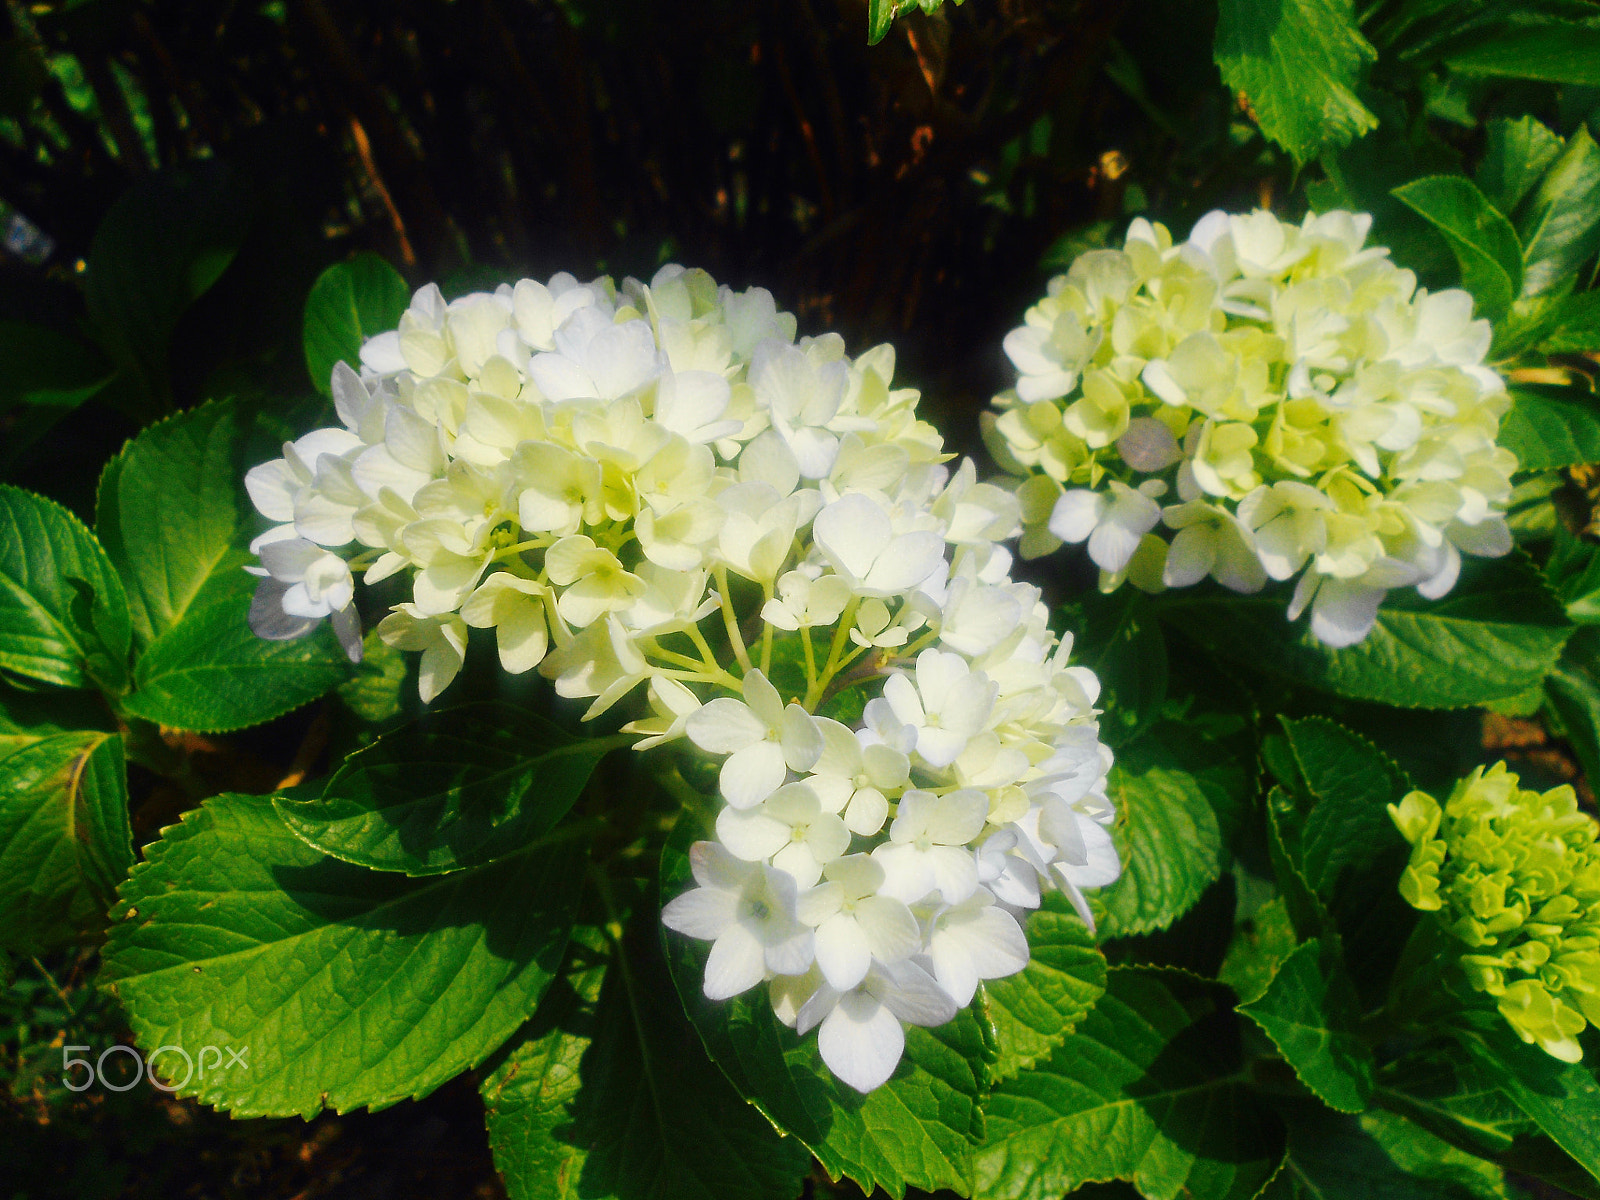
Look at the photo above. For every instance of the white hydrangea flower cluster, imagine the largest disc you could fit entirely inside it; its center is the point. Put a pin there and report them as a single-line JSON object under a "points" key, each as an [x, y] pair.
{"points": [[660, 485], [1280, 398]]}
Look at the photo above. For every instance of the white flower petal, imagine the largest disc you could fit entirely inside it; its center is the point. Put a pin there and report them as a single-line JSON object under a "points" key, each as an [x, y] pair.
{"points": [[861, 1041]]}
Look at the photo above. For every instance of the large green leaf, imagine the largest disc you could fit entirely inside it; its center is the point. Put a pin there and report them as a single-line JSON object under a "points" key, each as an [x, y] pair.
{"points": [[607, 1094], [1376, 1157], [457, 788], [1448, 1094], [342, 987], [1353, 783], [1035, 1009], [1120, 640], [1481, 237], [63, 614], [171, 518], [1308, 917], [1452, 1098], [1309, 1012], [1560, 222], [1258, 949], [1551, 426], [537, 1076], [1145, 1089], [212, 673], [1563, 1099], [1299, 62], [1553, 51], [1495, 636], [159, 248], [350, 302], [1516, 154], [65, 842], [375, 691], [1170, 844], [1574, 325], [917, 1130], [46, 368]]}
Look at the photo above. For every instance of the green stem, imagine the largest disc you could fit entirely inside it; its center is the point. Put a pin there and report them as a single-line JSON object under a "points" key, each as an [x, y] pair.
{"points": [[735, 638]]}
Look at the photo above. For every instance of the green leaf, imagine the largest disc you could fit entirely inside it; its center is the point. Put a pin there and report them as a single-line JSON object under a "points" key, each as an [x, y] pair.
{"points": [[1122, 643], [1304, 909], [1574, 325], [158, 249], [211, 673], [1560, 222], [1481, 237], [1258, 948], [1450, 1097], [1379, 1156], [880, 16], [63, 615], [1309, 1013], [1035, 1009], [374, 691], [1144, 1090], [172, 520], [1299, 62], [1563, 1099], [919, 1129], [1551, 426], [1552, 51], [1432, 1161], [607, 1094], [1353, 783], [536, 1078], [342, 987], [1496, 635], [1573, 692], [65, 842], [350, 302], [1170, 845], [46, 368], [454, 789], [1516, 155]]}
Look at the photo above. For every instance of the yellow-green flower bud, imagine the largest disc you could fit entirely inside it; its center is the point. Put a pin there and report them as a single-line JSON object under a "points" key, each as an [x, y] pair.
{"points": [[1515, 876]]}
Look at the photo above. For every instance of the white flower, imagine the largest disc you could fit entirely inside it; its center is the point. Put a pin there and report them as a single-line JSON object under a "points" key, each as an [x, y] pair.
{"points": [[517, 610], [852, 776], [861, 1036], [1112, 525], [672, 705], [762, 737], [927, 849], [1067, 844], [947, 705], [746, 910], [855, 924], [441, 638], [790, 829], [1343, 611], [319, 581], [1210, 541], [857, 537], [974, 940]]}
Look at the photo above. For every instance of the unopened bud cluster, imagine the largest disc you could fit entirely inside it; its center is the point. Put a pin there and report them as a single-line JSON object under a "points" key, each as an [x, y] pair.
{"points": [[1261, 401], [659, 485], [1515, 876]]}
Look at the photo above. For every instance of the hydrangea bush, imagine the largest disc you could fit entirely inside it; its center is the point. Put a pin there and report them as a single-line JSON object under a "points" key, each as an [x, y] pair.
{"points": [[1262, 401], [689, 765]]}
